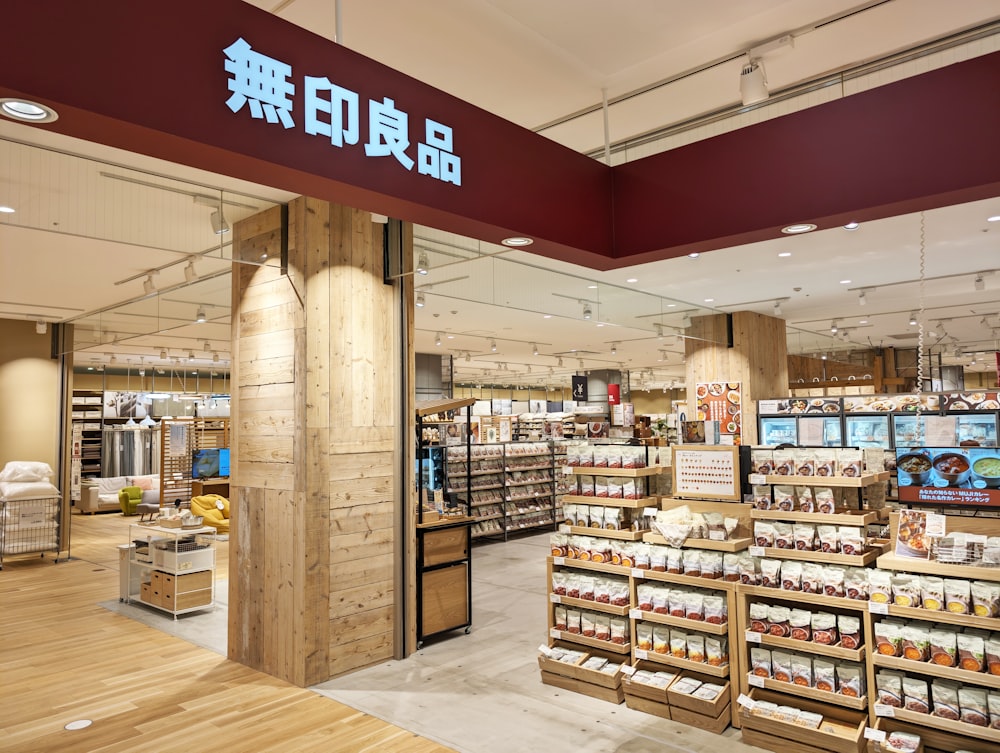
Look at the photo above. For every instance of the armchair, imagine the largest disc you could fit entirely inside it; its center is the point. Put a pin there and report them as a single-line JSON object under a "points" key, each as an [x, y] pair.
{"points": [[214, 510], [129, 499]]}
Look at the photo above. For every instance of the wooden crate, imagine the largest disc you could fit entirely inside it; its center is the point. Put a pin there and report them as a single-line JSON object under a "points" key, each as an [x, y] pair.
{"points": [[842, 730], [188, 600], [716, 724], [647, 706], [698, 705], [646, 698], [611, 695], [579, 673]]}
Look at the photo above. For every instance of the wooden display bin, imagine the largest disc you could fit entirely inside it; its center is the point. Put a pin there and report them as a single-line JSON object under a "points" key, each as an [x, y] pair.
{"points": [[713, 716], [892, 725], [842, 730], [646, 698], [600, 685]]}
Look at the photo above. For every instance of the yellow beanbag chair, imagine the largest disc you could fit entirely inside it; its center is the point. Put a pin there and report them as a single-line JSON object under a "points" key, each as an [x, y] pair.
{"points": [[208, 506]]}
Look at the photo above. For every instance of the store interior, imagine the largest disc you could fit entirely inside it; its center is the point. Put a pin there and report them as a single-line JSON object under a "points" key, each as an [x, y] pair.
{"points": [[133, 259]]}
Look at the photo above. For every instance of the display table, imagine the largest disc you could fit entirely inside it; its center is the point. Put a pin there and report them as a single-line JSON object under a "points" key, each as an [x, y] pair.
{"points": [[444, 576]]}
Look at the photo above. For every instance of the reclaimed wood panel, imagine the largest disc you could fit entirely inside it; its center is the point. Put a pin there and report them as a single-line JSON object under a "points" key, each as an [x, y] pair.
{"points": [[347, 657], [360, 571]]}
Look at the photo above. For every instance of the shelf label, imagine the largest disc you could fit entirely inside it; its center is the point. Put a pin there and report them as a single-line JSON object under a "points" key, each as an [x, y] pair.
{"points": [[637, 573], [558, 560], [935, 525], [751, 636], [635, 614], [554, 633], [757, 551], [567, 470], [754, 681], [717, 535], [882, 709], [878, 735], [878, 607], [555, 598], [641, 653], [746, 702], [628, 669], [563, 528], [757, 479], [650, 512]]}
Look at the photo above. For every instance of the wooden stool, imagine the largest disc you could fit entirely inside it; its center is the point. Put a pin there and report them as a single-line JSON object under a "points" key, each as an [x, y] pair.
{"points": [[151, 509]]}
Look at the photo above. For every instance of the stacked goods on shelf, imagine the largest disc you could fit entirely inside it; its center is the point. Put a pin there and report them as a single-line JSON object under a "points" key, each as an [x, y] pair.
{"points": [[589, 672], [776, 722]]}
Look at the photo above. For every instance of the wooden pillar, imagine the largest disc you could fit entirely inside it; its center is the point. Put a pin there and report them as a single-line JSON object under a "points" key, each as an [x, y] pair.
{"points": [[757, 358], [316, 445]]}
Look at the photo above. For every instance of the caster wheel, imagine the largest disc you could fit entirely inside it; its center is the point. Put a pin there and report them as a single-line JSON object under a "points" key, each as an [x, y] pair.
{"points": [[468, 630]]}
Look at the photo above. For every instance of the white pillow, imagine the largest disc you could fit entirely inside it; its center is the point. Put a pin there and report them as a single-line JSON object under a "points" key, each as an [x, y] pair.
{"points": [[11, 490], [26, 470]]}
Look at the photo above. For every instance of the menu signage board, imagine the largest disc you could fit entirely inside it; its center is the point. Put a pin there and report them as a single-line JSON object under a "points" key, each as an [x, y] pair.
{"points": [[959, 476], [797, 405], [971, 401], [890, 403], [706, 472], [721, 401]]}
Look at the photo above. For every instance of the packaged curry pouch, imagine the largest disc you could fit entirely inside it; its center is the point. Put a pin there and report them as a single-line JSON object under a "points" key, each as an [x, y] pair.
{"points": [[825, 500], [762, 497], [758, 617], [985, 599], [824, 675], [661, 639], [812, 578], [916, 642], [802, 670], [800, 624], [932, 592], [783, 536], [762, 462], [916, 696], [763, 533], [829, 539], [805, 497], [781, 665], [791, 575], [784, 498], [957, 596], [906, 590], [804, 535], [770, 573], [889, 688], [856, 583]]}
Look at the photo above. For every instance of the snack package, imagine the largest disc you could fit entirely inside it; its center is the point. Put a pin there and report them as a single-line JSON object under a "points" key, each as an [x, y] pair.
{"points": [[802, 670], [850, 680], [812, 578], [791, 575], [600, 487], [781, 665], [916, 696], [629, 490], [602, 627], [675, 560], [889, 638], [784, 498], [809, 719], [661, 639], [573, 619], [783, 536], [760, 662], [889, 688], [678, 644], [824, 500], [716, 651], [944, 698], [763, 533], [560, 619], [824, 675], [944, 647], [587, 627], [770, 573], [777, 619], [612, 519], [762, 497], [916, 643], [600, 456], [696, 647], [663, 600], [762, 462], [758, 622]]}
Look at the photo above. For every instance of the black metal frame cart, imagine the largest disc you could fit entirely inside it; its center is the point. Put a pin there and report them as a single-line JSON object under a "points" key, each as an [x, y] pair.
{"points": [[444, 550]]}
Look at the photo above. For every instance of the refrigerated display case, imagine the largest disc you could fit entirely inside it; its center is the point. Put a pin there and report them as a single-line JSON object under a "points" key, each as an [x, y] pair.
{"points": [[867, 431], [909, 430], [775, 430], [980, 428], [803, 431]]}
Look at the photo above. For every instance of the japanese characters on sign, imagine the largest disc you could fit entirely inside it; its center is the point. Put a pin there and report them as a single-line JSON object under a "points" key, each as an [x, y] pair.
{"points": [[265, 87]]}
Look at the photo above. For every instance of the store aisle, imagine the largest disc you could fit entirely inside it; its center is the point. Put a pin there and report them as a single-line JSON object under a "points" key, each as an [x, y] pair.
{"points": [[482, 693]]}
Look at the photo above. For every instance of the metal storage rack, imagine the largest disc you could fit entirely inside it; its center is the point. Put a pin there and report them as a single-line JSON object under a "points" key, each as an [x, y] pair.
{"points": [[29, 526]]}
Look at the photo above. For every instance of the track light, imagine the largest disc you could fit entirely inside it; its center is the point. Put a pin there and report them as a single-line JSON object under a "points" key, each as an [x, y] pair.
{"points": [[980, 283], [534, 349], [753, 83], [219, 224], [437, 339], [41, 327], [493, 346], [913, 318], [200, 317], [421, 301], [659, 330], [423, 263], [580, 362], [777, 308], [833, 327], [113, 359], [190, 355], [586, 311], [686, 321], [147, 285], [468, 357], [614, 349], [559, 363], [861, 298], [207, 347], [163, 355], [190, 274], [215, 357]]}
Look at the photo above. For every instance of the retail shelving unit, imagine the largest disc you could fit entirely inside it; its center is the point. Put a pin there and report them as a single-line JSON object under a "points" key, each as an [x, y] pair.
{"points": [[88, 415], [179, 563]]}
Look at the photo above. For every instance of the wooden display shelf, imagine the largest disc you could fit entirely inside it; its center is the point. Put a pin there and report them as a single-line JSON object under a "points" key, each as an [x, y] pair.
{"points": [[824, 696], [651, 470], [600, 567], [947, 725], [578, 672], [680, 622], [839, 518], [694, 581], [459, 474], [827, 558], [934, 670], [578, 499], [597, 606], [515, 469], [530, 455], [583, 640], [605, 534], [496, 516], [806, 598], [866, 479], [843, 731], [807, 647], [733, 545], [932, 567], [692, 666], [931, 615]]}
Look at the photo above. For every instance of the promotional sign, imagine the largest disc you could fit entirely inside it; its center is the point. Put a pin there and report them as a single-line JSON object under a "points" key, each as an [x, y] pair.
{"points": [[580, 388], [720, 401], [614, 394], [960, 476]]}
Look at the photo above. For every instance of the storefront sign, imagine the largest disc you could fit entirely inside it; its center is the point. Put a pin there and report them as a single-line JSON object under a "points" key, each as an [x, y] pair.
{"points": [[266, 88]]}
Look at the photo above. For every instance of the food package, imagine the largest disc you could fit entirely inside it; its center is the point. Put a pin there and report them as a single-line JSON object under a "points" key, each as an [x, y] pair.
{"points": [[661, 600], [716, 651], [889, 688], [916, 697], [824, 500], [804, 495], [696, 647], [762, 462], [660, 639], [763, 533], [850, 680], [916, 642], [619, 630], [824, 675], [957, 596], [985, 599], [619, 593], [833, 581], [826, 462], [993, 702], [901, 742], [602, 627], [824, 628], [640, 555], [716, 610], [600, 456], [708, 692], [804, 535], [906, 590], [749, 572], [573, 618], [760, 662], [694, 606], [658, 558], [812, 578], [889, 638], [758, 618], [852, 540], [856, 583], [973, 706], [692, 562], [800, 624], [613, 519], [777, 620], [849, 462], [731, 567], [783, 536], [711, 565], [971, 652], [588, 584], [784, 498], [944, 698], [784, 462], [802, 670], [678, 644], [829, 539], [932, 592], [770, 573], [850, 631], [587, 627], [993, 654], [587, 488], [762, 497], [944, 647], [781, 665], [764, 709], [791, 575], [675, 560], [560, 618], [805, 461], [880, 586], [809, 719]]}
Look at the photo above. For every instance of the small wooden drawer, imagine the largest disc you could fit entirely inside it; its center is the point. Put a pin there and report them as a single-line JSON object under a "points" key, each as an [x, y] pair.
{"points": [[188, 600], [177, 584]]}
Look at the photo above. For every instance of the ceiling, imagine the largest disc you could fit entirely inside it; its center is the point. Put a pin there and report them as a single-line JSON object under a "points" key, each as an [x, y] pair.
{"points": [[92, 221]]}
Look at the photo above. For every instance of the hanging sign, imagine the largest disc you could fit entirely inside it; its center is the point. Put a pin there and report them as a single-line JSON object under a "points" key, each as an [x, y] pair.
{"points": [[580, 388], [614, 394]]}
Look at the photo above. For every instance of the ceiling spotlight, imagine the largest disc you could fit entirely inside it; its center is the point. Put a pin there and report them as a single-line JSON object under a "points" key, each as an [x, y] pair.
{"points": [[693, 255], [534, 349], [219, 224], [493, 346], [147, 286], [686, 321], [753, 84], [113, 359], [980, 283], [559, 363], [586, 311], [200, 317], [190, 274], [163, 355], [833, 327], [913, 318], [800, 227], [41, 328], [517, 241], [852, 226], [421, 301], [861, 298], [423, 263], [207, 347], [437, 339], [777, 308], [614, 349], [468, 357], [31, 112], [190, 355], [659, 330]]}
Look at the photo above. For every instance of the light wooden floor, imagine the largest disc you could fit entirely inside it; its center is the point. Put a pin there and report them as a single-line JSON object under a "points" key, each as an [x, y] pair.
{"points": [[64, 658]]}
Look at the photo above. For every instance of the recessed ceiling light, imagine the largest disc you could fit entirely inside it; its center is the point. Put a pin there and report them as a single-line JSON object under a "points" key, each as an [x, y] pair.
{"points": [[862, 321], [709, 300], [852, 226], [784, 254], [845, 282], [632, 279], [694, 255], [671, 305], [517, 241], [546, 316], [591, 287], [801, 227], [994, 218], [32, 112], [6, 210]]}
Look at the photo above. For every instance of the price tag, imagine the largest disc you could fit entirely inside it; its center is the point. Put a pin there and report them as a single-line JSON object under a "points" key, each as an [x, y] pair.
{"points": [[555, 598], [641, 653], [650, 512], [637, 573], [628, 669], [757, 479], [878, 735], [563, 528], [717, 535], [553, 633], [558, 560], [757, 551], [746, 702], [567, 470], [635, 614], [755, 681], [878, 607], [882, 709], [751, 636]]}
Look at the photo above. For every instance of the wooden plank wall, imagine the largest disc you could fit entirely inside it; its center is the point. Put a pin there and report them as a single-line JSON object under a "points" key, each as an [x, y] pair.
{"points": [[758, 359], [312, 583]]}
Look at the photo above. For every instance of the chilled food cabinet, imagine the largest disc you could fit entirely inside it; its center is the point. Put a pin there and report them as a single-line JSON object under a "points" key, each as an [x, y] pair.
{"points": [[775, 430], [980, 428], [802, 431], [867, 431]]}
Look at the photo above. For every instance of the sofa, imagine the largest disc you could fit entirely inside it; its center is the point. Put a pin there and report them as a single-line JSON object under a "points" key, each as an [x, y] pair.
{"points": [[101, 494]]}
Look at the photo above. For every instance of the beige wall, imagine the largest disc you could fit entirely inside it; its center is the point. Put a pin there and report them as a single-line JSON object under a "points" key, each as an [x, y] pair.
{"points": [[648, 402], [30, 400]]}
